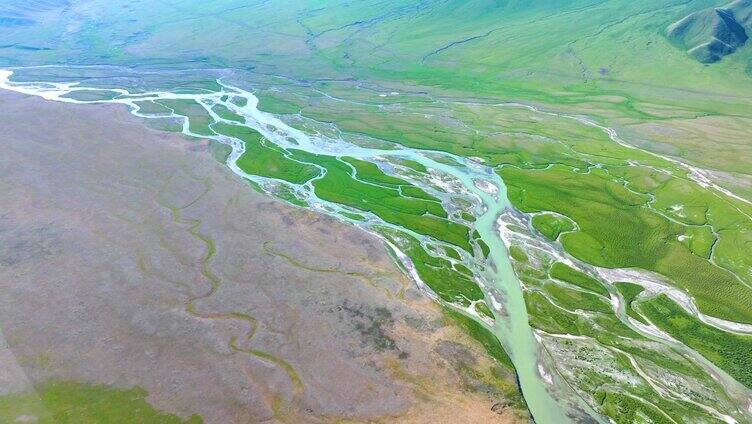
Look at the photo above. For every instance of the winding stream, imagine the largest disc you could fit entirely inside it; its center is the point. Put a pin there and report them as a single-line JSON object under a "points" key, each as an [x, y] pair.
{"points": [[477, 183], [548, 397]]}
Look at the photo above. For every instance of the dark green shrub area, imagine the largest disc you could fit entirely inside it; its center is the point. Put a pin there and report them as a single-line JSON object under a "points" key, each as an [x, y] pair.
{"points": [[262, 160], [420, 215], [627, 410], [730, 352], [630, 291], [437, 273], [566, 273], [551, 225]]}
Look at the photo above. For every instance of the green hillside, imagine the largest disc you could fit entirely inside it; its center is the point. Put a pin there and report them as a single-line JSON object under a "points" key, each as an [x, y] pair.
{"points": [[623, 62]]}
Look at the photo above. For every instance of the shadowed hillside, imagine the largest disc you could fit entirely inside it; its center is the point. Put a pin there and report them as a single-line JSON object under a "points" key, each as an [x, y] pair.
{"points": [[710, 34]]}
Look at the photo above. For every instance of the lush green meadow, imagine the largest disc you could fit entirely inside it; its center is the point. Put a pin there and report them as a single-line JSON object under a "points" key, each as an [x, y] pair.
{"points": [[731, 352], [551, 226], [626, 375], [629, 292], [64, 402], [566, 273], [618, 228], [264, 158], [422, 214]]}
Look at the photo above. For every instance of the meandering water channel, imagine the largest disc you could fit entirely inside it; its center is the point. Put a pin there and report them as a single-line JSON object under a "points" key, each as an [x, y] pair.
{"points": [[476, 182], [548, 397]]}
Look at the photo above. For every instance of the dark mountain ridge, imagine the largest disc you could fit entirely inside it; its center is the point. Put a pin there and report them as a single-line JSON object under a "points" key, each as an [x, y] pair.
{"points": [[710, 34]]}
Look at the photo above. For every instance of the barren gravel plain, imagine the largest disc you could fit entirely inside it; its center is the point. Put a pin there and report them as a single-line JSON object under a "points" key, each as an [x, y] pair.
{"points": [[132, 262]]}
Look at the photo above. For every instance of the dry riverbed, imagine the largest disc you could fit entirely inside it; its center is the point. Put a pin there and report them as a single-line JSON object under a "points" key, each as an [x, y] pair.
{"points": [[129, 258]]}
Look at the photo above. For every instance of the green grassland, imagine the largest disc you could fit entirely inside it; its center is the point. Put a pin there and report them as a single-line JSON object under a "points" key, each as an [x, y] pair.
{"points": [[276, 105], [452, 253], [423, 216], [575, 299], [91, 95], [628, 410], [699, 240], [730, 352], [64, 402], [369, 172], [551, 225], [437, 273], [609, 198], [497, 134], [629, 209], [566, 273], [199, 117], [547, 317], [600, 323], [584, 56], [261, 159], [601, 367], [616, 229], [225, 113], [629, 292], [152, 108]]}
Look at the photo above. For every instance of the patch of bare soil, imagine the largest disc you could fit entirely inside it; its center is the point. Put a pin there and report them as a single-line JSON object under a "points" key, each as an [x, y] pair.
{"points": [[128, 257]]}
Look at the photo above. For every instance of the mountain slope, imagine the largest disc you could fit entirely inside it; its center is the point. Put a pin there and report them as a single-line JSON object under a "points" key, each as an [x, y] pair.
{"points": [[710, 34]]}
